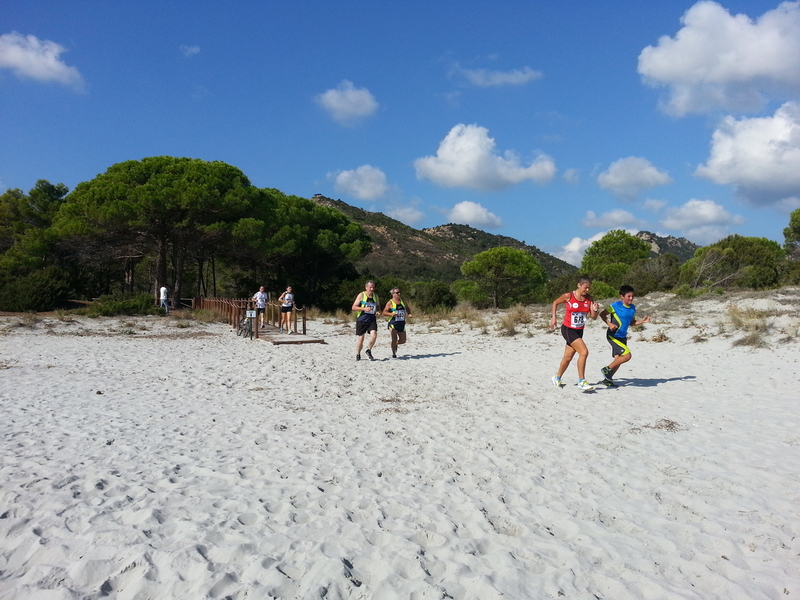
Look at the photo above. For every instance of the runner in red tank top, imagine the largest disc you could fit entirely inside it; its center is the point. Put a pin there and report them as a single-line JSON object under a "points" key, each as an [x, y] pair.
{"points": [[579, 306]]}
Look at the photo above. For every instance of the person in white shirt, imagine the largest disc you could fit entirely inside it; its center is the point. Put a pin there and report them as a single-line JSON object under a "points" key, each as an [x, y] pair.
{"points": [[164, 296], [261, 298], [287, 304]]}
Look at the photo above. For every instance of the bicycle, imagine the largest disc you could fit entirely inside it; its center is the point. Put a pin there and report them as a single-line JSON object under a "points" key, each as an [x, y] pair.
{"points": [[245, 327]]}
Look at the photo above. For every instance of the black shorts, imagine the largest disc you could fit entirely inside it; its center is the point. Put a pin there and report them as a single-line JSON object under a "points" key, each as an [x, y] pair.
{"points": [[260, 311], [286, 309], [619, 346], [570, 334], [363, 327], [399, 327]]}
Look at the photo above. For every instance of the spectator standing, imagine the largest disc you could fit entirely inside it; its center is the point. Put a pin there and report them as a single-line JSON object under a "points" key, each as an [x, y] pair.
{"points": [[164, 296]]}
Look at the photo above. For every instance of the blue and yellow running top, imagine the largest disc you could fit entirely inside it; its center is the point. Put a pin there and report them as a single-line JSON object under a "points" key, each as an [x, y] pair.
{"points": [[371, 301], [399, 311], [623, 316]]}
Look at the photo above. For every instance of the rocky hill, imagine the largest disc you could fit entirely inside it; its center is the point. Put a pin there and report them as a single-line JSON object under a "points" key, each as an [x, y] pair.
{"points": [[438, 252], [435, 253], [680, 247]]}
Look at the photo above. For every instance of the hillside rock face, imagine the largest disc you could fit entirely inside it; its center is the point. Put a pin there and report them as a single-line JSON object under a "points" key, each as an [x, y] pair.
{"points": [[438, 252], [434, 253], [680, 247]]}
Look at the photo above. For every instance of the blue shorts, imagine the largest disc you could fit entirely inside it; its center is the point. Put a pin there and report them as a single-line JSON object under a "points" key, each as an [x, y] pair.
{"points": [[400, 326]]}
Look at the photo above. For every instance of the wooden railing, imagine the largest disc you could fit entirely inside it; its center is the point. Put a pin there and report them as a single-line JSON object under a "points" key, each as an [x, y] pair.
{"points": [[235, 309]]}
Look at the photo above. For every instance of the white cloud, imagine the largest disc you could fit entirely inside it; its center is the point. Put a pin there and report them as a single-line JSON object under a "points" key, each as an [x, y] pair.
{"points": [[188, 51], [347, 104], [365, 183], [629, 177], [572, 176], [788, 205], [488, 78], [720, 61], [406, 214], [573, 251], [702, 221], [466, 158], [613, 219], [654, 205], [32, 58], [473, 214], [760, 156]]}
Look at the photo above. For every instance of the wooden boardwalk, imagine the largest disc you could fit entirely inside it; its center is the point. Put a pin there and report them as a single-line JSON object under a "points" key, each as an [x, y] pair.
{"points": [[270, 333], [235, 309]]}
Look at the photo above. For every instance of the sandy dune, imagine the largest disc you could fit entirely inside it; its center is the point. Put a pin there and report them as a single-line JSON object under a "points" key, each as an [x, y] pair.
{"points": [[158, 458]]}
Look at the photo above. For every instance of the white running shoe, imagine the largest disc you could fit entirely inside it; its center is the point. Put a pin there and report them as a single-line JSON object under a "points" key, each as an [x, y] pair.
{"points": [[557, 381], [585, 385]]}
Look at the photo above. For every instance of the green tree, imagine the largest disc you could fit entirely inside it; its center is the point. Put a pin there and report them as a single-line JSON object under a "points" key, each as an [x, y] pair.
{"points": [[162, 205], [466, 290], [503, 274], [653, 274], [430, 294], [609, 258], [314, 246], [20, 212], [792, 235], [34, 273], [735, 261]]}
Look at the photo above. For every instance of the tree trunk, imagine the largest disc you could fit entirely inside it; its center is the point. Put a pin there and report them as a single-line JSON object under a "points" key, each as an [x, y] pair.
{"points": [[180, 261], [130, 268], [214, 274]]}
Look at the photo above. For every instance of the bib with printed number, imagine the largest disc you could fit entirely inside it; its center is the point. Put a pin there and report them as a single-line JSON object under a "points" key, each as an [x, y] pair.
{"points": [[576, 311], [371, 303]]}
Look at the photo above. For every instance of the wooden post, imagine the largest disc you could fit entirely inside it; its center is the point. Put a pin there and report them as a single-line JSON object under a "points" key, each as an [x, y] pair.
{"points": [[255, 321]]}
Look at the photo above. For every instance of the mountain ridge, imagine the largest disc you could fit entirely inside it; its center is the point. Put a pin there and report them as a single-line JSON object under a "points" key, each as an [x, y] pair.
{"points": [[438, 252]]}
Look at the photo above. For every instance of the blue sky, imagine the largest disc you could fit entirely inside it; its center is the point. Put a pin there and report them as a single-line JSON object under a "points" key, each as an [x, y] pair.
{"points": [[547, 122]]}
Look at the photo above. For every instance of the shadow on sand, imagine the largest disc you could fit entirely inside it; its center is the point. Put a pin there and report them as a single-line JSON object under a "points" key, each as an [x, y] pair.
{"points": [[650, 382], [418, 356]]}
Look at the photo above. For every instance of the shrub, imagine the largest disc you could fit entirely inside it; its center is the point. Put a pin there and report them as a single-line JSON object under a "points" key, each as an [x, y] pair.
{"points": [[736, 260], [428, 295], [40, 290], [210, 315], [109, 306], [686, 291], [653, 274], [469, 292]]}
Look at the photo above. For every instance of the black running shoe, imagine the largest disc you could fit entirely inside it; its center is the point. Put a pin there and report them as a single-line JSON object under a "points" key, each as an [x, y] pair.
{"points": [[358, 357], [607, 374], [394, 355], [369, 354]]}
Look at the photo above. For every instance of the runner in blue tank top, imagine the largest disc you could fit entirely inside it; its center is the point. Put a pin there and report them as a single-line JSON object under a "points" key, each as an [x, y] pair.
{"points": [[619, 316]]}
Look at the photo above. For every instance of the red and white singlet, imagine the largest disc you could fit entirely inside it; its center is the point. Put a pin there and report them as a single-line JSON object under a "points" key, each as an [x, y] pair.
{"points": [[576, 311]]}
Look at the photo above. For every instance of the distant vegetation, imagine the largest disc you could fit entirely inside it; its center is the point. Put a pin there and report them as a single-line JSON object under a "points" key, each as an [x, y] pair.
{"points": [[201, 228]]}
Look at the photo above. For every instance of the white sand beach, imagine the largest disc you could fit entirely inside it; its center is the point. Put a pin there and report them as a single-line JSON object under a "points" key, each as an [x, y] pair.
{"points": [[154, 458]]}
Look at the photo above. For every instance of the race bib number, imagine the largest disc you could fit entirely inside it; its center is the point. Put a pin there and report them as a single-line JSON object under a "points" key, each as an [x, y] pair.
{"points": [[370, 306], [400, 315], [578, 320]]}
